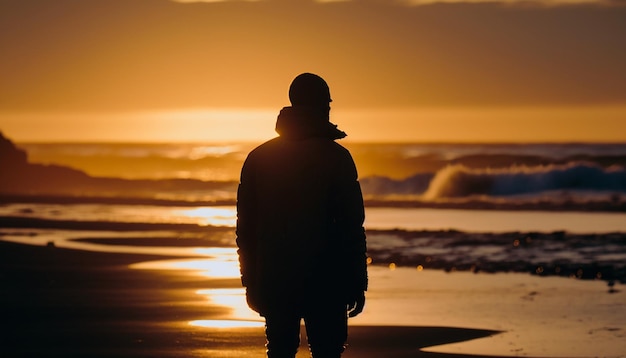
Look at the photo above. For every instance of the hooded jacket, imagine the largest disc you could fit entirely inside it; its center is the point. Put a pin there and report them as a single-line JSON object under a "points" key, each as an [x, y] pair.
{"points": [[300, 216]]}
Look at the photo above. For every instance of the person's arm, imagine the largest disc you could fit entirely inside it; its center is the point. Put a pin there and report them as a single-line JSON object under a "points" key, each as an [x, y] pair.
{"points": [[245, 231], [357, 251], [349, 218]]}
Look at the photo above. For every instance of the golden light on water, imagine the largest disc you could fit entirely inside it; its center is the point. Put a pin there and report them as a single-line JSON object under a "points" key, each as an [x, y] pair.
{"points": [[220, 263], [214, 216], [211, 150], [206, 267], [217, 323]]}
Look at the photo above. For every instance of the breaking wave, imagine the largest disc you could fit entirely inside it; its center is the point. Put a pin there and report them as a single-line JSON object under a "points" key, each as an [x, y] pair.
{"points": [[457, 181]]}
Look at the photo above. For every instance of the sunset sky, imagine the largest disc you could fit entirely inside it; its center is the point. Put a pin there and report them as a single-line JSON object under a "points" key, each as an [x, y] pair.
{"points": [[420, 70]]}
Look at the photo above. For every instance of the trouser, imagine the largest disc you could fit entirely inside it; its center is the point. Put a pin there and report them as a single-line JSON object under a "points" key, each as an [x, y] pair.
{"points": [[326, 330]]}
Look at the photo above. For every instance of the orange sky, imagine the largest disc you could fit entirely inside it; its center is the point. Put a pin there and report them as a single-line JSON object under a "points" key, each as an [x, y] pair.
{"points": [[160, 70]]}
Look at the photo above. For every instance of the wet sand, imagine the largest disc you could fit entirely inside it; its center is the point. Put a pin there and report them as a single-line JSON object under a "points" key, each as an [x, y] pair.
{"points": [[63, 303], [69, 303], [57, 302]]}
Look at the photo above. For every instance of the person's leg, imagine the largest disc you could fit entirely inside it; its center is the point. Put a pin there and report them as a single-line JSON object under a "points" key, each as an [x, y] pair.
{"points": [[327, 330], [282, 332]]}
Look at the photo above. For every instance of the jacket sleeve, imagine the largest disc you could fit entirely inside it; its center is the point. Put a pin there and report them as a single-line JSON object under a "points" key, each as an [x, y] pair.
{"points": [[246, 227], [349, 218]]}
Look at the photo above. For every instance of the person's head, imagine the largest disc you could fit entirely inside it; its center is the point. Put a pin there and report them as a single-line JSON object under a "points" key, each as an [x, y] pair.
{"points": [[309, 90]]}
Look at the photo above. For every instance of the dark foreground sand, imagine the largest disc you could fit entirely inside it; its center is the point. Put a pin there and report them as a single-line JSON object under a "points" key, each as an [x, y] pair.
{"points": [[68, 303]]}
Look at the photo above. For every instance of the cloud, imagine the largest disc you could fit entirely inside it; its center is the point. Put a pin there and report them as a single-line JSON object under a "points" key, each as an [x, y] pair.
{"points": [[547, 3], [211, 1], [514, 2], [235, 1]]}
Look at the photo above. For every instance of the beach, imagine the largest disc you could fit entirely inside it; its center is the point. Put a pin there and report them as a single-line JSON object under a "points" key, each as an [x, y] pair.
{"points": [[466, 261], [60, 302], [63, 303], [144, 142]]}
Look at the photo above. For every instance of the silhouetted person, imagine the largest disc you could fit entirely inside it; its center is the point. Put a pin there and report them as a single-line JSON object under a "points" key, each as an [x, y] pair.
{"points": [[300, 233]]}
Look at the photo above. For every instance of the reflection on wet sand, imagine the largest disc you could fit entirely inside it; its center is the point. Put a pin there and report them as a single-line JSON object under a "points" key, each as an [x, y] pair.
{"points": [[217, 266], [221, 265], [240, 316]]}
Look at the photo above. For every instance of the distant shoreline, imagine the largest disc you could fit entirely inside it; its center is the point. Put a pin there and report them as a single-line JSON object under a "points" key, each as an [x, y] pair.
{"points": [[594, 206]]}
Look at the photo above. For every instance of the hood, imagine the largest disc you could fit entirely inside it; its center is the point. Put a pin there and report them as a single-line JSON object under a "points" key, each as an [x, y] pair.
{"points": [[305, 122]]}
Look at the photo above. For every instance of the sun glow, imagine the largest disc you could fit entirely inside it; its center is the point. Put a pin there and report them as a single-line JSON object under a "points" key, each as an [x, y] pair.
{"points": [[601, 123], [184, 125]]}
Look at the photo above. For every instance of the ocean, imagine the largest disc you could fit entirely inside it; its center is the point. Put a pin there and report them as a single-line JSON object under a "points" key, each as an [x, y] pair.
{"points": [[546, 209], [497, 173]]}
